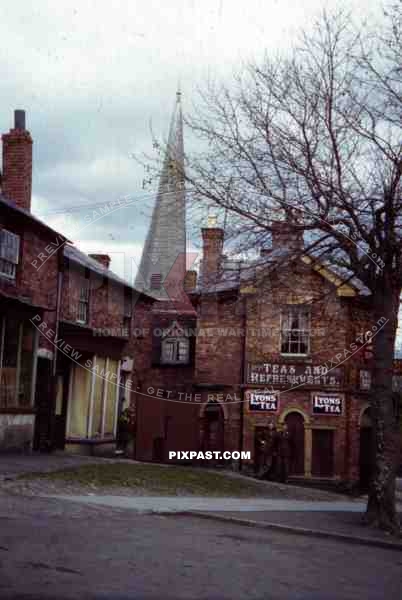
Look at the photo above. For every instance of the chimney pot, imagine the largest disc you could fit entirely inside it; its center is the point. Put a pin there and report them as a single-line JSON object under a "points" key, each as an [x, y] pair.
{"points": [[190, 280], [19, 119], [103, 259]]}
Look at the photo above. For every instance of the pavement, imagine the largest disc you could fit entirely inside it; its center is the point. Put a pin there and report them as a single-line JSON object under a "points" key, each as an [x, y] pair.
{"points": [[341, 520], [177, 504]]}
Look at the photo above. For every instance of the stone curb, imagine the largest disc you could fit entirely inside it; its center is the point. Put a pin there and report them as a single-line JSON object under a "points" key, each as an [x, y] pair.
{"points": [[342, 537]]}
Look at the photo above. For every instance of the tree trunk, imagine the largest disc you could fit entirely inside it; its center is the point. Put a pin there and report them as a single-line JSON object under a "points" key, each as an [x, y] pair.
{"points": [[381, 507]]}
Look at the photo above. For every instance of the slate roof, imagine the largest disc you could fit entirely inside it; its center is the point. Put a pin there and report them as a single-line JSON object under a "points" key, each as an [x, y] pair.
{"points": [[72, 253], [232, 277], [26, 214]]}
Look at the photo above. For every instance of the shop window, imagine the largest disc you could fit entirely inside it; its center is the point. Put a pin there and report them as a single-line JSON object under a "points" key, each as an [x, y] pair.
{"points": [[175, 351], [9, 253], [94, 417], [17, 353], [79, 402], [295, 330]]}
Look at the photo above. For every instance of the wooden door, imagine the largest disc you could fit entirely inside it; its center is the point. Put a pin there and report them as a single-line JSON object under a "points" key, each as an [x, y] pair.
{"points": [[214, 427], [323, 453], [295, 423]]}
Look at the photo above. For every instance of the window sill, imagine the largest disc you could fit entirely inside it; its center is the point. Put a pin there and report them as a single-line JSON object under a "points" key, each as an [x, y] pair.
{"points": [[159, 365], [24, 410], [8, 278]]}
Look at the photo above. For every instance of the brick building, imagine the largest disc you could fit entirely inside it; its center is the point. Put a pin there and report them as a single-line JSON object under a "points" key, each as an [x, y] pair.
{"points": [[66, 351], [25, 291], [281, 339]]}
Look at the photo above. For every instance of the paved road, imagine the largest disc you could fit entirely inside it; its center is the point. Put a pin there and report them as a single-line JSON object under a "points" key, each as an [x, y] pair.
{"points": [[53, 549]]}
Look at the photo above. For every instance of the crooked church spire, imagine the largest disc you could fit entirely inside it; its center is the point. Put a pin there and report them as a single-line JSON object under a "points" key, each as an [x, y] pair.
{"points": [[164, 255]]}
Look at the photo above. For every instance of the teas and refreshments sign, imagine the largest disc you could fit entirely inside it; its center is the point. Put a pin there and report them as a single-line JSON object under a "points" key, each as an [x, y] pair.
{"points": [[262, 400], [327, 404], [293, 375]]}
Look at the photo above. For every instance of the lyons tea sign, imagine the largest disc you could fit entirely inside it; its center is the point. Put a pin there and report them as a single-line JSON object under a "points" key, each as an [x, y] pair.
{"points": [[328, 404], [263, 401]]}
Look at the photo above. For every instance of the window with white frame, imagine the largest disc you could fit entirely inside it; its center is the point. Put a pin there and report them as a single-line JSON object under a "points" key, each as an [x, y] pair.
{"points": [[9, 253], [295, 330], [83, 303], [175, 350]]}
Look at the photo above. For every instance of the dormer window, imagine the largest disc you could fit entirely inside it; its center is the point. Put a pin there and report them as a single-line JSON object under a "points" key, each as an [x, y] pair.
{"points": [[9, 253], [175, 351], [295, 330]]}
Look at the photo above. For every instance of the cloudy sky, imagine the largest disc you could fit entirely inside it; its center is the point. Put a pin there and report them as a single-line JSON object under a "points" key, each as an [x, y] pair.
{"points": [[93, 75]]}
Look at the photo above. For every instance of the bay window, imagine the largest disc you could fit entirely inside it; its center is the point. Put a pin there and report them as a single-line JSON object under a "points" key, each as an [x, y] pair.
{"points": [[93, 400]]}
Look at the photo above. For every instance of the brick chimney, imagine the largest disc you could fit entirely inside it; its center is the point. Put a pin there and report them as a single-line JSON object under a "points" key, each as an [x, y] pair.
{"points": [[17, 163], [212, 238], [286, 237], [103, 259]]}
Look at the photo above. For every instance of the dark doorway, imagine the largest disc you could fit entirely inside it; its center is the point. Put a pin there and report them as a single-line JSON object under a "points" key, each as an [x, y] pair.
{"points": [[295, 423], [158, 449], [43, 438], [323, 453], [259, 434], [213, 427], [366, 451]]}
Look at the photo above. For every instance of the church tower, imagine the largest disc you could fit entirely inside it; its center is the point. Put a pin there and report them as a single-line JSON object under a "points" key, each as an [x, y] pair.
{"points": [[163, 263]]}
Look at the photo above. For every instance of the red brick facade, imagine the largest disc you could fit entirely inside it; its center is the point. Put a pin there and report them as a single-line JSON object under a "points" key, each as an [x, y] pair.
{"points": [[240, 325]]}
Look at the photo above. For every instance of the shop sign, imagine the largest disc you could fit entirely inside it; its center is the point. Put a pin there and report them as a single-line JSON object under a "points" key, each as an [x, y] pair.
{"points": [[285, 374], [327, 404], [263, 400]]}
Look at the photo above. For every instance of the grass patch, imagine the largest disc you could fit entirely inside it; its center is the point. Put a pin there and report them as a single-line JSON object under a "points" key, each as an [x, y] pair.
{"points": [[173, 480]]}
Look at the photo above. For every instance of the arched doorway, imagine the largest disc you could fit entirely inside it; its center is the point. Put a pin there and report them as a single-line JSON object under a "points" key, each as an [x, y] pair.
{"points": [[366, 460], [295, 424], [213, 424]]}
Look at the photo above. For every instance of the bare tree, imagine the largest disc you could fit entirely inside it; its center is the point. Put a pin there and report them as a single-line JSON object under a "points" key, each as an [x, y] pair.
{"points": [[315, 136]]}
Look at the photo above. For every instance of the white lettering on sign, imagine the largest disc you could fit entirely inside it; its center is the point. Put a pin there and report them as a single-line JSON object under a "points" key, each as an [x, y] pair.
{"points": [[327, 405], [263, 401]]}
